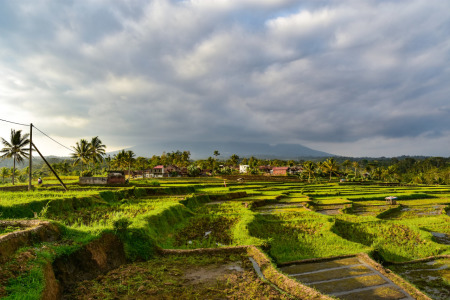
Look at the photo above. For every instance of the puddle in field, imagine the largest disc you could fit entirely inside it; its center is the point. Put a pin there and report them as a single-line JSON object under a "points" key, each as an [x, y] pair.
{"points": [[431, 277], [280, 205], [417, 211], [347, 278], [441, 238], [329, 210], [370, 210], [280, 208]]}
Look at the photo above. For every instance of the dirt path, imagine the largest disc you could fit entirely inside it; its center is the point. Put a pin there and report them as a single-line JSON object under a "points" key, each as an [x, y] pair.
{"points": [[347, 278]]}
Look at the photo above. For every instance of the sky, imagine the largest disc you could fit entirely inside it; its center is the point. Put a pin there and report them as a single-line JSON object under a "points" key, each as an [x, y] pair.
{"points": [[352, 78]]}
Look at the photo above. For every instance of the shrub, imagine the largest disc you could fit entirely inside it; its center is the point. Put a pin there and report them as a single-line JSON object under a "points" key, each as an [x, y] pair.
{"points": [[86, 173]]}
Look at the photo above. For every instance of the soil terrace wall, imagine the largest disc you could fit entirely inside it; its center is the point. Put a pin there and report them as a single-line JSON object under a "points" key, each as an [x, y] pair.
{"points": [[39, 232], [95, 258]]}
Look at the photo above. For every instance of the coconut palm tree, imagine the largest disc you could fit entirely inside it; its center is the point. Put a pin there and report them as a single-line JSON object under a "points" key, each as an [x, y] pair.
{"points": [[377, 172], [234, 159], [15, 148], [97, 149], [4, 172], [355, 165], [129, 160], [64, 167], [330, 166], [108, 160], [81, 153], [308, 167], [119, 160]]}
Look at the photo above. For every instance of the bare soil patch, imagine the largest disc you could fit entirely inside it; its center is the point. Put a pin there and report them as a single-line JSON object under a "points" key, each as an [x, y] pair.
{"points": [[202, 276]]}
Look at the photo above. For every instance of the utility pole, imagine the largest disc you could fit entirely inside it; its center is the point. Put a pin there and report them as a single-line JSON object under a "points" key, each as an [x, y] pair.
{"points": [[30, 172], [50, 167]]}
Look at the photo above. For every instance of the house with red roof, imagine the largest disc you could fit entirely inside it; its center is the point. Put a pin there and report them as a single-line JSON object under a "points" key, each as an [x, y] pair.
{"points": [[280, 171]]}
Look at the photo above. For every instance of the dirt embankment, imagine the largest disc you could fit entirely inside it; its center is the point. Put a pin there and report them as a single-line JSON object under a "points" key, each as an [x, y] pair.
{"points": [[95, 258], [35, 231]]}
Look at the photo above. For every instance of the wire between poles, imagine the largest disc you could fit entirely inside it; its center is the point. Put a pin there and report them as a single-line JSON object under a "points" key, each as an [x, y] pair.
{"points": [[71, 150], [15, 123]]}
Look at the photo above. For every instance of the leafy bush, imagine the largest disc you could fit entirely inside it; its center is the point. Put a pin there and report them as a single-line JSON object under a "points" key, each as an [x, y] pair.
{"points": [[86, 173]]}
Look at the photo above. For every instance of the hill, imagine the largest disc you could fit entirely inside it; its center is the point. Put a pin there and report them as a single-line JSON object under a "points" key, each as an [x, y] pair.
{"points": [[202, 150]]}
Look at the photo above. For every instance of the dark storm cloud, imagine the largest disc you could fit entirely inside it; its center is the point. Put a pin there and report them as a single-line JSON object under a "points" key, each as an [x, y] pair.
{"points": [[265, 71]]}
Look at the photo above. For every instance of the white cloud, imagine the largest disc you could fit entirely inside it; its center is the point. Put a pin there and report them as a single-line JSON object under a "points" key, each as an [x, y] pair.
{"points": [[326, 73]]}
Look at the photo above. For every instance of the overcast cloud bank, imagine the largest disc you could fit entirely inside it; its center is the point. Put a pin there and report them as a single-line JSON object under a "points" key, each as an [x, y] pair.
{"points": [[354, 78]]}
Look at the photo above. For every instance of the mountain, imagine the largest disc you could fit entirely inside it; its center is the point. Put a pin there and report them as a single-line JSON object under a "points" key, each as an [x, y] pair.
{"points": [[202, 150]]}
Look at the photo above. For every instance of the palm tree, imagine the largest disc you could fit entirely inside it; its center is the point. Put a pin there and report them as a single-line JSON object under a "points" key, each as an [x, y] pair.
{"points": [[355, 165], [97, 150], [377, 172], [64, 167], [346, 164], [234, 159], [82, 153], [308, 167], [4, 172], [120, 160], [15, 148], [330, 166], [130, 160], [108, 162], [391, 172]]}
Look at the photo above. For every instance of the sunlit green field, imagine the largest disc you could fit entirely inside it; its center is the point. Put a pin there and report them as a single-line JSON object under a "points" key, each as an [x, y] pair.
{"points": [[290, 221]]}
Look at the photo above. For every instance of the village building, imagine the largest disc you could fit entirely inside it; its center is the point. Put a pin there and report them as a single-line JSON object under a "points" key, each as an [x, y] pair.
{"points": [[158, 171], [265, 169], [114, 177], [280, 171], [206, 172], [243, 168]]}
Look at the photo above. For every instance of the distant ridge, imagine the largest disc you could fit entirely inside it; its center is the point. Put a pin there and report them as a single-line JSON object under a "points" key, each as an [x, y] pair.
{"points": [[202, 150]]}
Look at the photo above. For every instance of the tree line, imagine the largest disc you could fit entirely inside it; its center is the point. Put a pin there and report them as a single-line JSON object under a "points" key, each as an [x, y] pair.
{"points": [[89, 158]]}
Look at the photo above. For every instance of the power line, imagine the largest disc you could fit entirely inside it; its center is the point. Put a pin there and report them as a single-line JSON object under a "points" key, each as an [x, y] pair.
{"points": [[15, 123], [71, 150]]}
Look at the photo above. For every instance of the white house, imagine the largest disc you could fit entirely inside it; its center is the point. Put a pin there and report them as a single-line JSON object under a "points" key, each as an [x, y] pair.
{"points": [[243, 168]]}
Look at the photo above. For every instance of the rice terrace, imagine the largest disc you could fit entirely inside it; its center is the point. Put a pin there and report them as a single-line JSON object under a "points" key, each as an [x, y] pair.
{"points": [[230, 236]]}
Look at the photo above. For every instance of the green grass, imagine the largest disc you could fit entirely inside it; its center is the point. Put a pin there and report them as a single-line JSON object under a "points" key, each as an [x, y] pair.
{"points": [[302, 235], [16, 198], [174, 215], [393, 240]]}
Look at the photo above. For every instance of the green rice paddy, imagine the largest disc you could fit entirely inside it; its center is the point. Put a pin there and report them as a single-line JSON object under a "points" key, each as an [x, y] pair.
{"points": [[290, 221]]}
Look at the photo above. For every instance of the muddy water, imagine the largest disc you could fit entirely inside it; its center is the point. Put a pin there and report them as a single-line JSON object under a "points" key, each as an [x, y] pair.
{"points": [[441, 238], [329, 210], [347, 278], [431, 277], [280, 208], [417, 211], [370, 210]]}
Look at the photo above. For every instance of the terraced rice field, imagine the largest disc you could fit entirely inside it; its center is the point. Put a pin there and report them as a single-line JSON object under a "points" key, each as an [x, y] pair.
{"points": [[288, 221], [346, 278]]}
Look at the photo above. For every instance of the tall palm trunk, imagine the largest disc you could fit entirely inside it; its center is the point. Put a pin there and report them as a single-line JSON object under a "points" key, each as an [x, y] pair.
{"points": [[14, 168]]}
